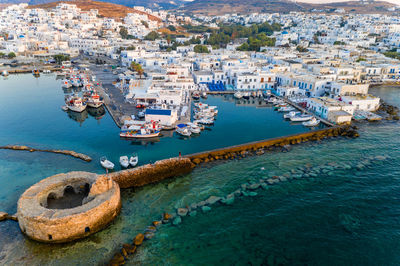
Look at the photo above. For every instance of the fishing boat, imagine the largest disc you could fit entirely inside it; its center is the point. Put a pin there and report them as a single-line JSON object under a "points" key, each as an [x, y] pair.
{"points": [[133, 160], [94, 100], [196, 95], [75, 103], [194, 129], [106, 163], [204, 121], [65, 84], [246, 95], [291, 114], [301, 118], [238, 95], [36, 72], [183, 129], [46, 71], [312, 123], [286, 109], [141, 114], [141, 133], [5, 73], [124, 161], [204, 95]]}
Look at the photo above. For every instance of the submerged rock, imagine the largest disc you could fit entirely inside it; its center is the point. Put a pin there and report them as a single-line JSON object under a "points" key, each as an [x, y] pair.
{"points": [[182, 211], [201, 203], [130, 249], [193, 206], [264, 186], [3, 216], [283, 178], [252, 194], [270, 181], [148, 235], [213, 199], [254, 186], [156, 223], [151, 229], [193, 213], [177, 220], [138, 239], [237, 193], [206, 208]]}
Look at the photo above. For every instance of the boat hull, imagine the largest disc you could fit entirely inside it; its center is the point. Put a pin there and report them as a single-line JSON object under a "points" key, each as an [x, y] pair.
{"points": [[139, 136]]}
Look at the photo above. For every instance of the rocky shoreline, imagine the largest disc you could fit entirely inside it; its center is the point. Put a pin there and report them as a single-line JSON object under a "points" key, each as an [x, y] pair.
{"points": [[81, 156]]}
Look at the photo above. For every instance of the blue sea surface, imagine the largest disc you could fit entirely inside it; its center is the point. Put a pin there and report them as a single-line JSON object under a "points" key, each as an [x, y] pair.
{"points": [[340, 217]]}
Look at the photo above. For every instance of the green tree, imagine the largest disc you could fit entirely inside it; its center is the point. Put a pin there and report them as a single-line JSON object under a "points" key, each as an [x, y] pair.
{"points": [[60, 58], [301, 49], [138, 68], [171, 28], [11, 55], [123, 32], [152, 36], [201, 49]]}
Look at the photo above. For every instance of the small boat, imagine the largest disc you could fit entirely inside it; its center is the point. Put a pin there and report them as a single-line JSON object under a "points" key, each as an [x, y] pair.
{"points": [[46, 71], [36, 72], [75, 103], [133, 160], [291, 114], [238, 95], [194, 129], [106, 163], [204, 95], [141, 114], [64, 108], [301, 118], [286, 109], [196, 95], [5, 73], [140, 134], [94, 100], [123, 161], [246, 95], [184, 130], [204, 121], [312, 123]]}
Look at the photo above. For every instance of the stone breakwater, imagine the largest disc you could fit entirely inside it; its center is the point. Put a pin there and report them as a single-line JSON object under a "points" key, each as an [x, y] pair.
{"points": [[152, 173], [99, 205], [259, 147], [65, 152], [251, 188]]}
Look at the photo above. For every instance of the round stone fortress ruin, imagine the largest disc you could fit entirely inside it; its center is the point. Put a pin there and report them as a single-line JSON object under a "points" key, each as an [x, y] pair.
{"points": [[69, 206]]}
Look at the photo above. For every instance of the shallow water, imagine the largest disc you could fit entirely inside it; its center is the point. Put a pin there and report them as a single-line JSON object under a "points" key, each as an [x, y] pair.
{"points": [[346, 217]]}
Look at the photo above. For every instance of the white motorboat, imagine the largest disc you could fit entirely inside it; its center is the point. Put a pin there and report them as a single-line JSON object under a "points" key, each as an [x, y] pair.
{"points": [[238, 95], [75, 103], [246, 95], [133, 160], [106, 163], [286, 109], [196, 95], [204, 95], [5, 73], [66, 84], [301, 118], [141, 114], [184, 130], [291, 114], [194, 129], [123, 161], [312, 123], [204, 121], [46, 71]]}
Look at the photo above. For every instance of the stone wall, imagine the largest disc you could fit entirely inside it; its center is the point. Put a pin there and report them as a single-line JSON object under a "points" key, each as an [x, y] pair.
{"points": [[152, 173], [63, 225], [258, 146]]}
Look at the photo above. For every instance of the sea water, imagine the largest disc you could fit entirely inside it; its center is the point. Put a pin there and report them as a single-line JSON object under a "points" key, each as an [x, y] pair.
{"points": [[345, 216]]}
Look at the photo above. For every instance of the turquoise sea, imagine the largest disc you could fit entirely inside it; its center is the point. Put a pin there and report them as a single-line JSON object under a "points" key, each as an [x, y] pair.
{"points": [[344, 215]]}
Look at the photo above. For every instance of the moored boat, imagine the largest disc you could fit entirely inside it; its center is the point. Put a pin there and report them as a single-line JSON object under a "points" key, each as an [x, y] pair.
{"points": [[75, 103], [311, 123], [124, 161], [140, 133], [183, 129], [301, 118], [194, 129], [196, 95], [106, 163], [133, 160], [4, 73], [238, 95], [286, 109], [291, 114], [94, 100]]}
